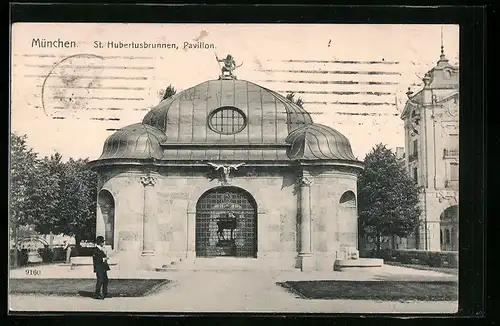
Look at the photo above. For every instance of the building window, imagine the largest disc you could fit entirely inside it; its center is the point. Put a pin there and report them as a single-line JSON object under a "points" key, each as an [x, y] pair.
{"points": [[417, 238], [414, 155], [454, 172], [227, 120], [450, 152], [415, 174]]}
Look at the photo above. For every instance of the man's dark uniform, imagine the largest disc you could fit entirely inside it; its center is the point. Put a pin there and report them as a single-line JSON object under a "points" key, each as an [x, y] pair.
{"points": [[101, 269]]}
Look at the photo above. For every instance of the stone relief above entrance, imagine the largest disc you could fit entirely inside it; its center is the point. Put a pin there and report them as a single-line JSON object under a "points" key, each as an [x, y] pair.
{"points": [[225, 171]]}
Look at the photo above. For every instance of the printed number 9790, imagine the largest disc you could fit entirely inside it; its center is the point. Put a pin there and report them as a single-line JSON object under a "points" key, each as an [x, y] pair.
{"points": [[33, 272]]}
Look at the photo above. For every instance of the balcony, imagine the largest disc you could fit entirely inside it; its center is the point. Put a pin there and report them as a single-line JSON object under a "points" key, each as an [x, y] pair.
{"points": [[450, 152], [452, 184], [412, 157]]}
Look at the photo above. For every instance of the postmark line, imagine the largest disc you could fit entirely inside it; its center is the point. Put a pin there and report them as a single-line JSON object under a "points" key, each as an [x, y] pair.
{"points": [[90, 66], [103, 57], [100, 98], [91, 77], [98, 87]]}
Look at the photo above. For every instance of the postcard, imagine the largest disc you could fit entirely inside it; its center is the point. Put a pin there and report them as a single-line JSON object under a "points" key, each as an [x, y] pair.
{"points": [[234, 168]]}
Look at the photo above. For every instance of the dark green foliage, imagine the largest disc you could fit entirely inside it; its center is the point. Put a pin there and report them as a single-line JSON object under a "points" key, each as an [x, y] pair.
{"points": [[22, 175], [52, 195], [388, 198], [77, 212], [47, 254], [18, 259], [445, 259]]}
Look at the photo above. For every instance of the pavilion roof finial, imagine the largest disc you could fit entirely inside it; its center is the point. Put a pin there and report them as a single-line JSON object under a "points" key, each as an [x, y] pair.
{"points": [[228, 67]]}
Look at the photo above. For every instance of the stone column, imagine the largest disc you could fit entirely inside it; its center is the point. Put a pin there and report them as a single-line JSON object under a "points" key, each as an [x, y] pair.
{"points": [[305, 254], [149, 216]]}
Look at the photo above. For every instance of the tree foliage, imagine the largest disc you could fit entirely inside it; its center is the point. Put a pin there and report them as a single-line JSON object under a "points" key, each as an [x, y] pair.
{"points": [[291, 98], [22, 171], [45, 193], [388, 199], [77, 212], [52, 195], [169, 91]]}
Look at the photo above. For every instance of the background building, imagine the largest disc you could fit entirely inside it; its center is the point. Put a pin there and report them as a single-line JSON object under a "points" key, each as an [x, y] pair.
{"points": [[431, 119]]}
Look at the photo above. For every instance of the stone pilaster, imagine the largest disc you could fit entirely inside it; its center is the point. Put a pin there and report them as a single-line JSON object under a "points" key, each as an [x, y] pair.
{"points": [[191, 236], [149, 216], [305, 254]]}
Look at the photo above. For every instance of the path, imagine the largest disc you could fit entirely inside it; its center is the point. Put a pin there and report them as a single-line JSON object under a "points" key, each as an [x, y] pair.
{"points": [[239, 291]]}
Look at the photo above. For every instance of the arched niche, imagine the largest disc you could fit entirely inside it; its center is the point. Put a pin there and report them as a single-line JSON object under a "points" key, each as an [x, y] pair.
{"points": [[106, 205], [348, 200], [347, 222], [449, 221]]}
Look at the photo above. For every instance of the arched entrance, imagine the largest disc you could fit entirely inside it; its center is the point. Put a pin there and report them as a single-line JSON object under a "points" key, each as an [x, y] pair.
{"points": [[107, 207], [449, 229], [226, 223]]}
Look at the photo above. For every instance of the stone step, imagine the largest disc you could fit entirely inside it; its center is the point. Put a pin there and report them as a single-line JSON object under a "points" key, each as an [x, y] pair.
{"points": [[88, 263], [361, 263], [222, 264], [84, 261]]}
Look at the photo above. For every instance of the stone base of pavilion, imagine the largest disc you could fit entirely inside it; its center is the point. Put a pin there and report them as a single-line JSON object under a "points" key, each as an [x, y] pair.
{"points": [[360, 263]]}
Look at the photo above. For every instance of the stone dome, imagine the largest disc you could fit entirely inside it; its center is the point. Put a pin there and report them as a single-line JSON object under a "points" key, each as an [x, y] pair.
{"points": [[318, 142], [226, 120], [198, 115], [137, 141]]}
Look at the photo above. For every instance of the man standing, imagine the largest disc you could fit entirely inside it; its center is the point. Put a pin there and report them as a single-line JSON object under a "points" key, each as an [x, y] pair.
{"points": [[67, 249], [101, 268]]}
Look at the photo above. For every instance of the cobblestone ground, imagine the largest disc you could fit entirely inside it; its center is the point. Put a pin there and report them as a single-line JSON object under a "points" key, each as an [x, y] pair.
{"points": [[231, 291]]}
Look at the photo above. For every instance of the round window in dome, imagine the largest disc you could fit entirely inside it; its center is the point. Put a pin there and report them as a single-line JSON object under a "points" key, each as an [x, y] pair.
{"points": [[227, 120]]}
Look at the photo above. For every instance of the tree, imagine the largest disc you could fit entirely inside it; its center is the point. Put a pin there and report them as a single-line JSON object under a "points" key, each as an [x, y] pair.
{"points": [[169, 91], [22, 171], [291, 98], [45, 193], [51, 195], [387, 197], [77, 209]]}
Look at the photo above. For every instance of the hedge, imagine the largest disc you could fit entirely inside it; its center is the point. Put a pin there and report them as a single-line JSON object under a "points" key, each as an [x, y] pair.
{"points": [[57, 254], [418, 257], [22, 256], [83, 251]]}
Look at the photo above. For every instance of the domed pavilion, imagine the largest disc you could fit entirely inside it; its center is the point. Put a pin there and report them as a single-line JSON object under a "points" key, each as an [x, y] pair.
{"points": [[231, 169]]}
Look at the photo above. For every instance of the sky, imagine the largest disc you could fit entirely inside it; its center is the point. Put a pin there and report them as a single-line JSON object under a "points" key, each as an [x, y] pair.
{"points": [[352, 78]]}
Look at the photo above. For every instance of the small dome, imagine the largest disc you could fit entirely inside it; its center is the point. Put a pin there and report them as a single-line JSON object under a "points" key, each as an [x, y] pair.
{"points": [[318, 142], [137, 141]]}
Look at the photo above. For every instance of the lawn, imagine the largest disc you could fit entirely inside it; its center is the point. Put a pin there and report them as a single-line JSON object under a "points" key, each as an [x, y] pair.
{"points": [[374, 290], [452, 271], [85, 287]]}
